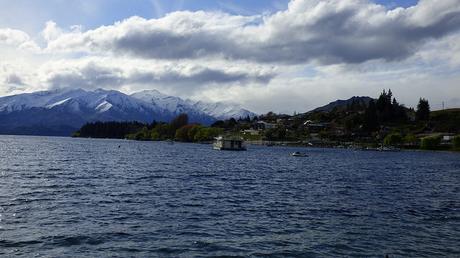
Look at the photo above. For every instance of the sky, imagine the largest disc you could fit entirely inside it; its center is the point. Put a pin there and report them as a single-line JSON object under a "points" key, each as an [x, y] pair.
{"points": [[284, 56]]}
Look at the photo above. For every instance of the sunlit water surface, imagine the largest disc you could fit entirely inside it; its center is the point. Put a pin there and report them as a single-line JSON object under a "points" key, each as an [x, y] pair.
{"points": [[64, 197]]}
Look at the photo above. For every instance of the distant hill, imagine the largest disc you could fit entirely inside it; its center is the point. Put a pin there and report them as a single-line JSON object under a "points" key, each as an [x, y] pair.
{"points": [[342, 103], [447, 120]]}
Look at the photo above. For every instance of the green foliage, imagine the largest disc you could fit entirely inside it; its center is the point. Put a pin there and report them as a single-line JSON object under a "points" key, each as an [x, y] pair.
{"points": [[456, 142], [446, 121], [393, 139], [431, 142], [423, 110], [162, 131], [389, 110], [197, 133], [207, 134], [370, 123], [352, 121], [179, 121], [275, 134], [386, 110], [154, 135], [115, 130], [410, 139], [142, 135], [227, 124], [187, 133], [156, 131]]}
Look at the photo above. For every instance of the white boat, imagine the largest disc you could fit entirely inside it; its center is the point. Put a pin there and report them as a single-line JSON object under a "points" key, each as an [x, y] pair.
{"points": [[299, 154], [229, 143]]}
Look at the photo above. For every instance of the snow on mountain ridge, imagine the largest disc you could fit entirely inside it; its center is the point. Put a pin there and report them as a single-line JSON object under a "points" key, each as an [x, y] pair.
{"points": [[218, 110], [58, 103], [104, 106], [101, 100], [222, 111]]}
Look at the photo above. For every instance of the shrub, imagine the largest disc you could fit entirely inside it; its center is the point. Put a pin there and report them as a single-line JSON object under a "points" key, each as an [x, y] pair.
{"points": [[393, 139], [207, 134], [456, 142], [187, 133], [430, 142], [410, 139]]}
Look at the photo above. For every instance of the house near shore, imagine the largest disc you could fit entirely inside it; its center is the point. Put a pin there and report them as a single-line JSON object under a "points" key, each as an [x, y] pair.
{"points": [[251, 132], [447, 138], [315, 127], [262, 125]]}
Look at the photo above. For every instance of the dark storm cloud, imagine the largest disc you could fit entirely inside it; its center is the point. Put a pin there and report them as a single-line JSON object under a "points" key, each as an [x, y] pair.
{"points": [[203, 76], [95, 74]]}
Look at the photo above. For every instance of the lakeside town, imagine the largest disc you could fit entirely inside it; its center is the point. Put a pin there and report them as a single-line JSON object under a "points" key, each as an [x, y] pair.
{"points": [[359, 122]]}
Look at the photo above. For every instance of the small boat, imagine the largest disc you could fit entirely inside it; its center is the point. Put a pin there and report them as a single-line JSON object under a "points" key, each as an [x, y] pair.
{"points": [[393, 149], [382, 148], [299, 154], [229, 143]]}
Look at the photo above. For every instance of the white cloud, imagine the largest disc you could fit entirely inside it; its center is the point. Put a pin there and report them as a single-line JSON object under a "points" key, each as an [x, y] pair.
{"points": [[296, 59], [329, 32], [18, 39], [51, 31]]}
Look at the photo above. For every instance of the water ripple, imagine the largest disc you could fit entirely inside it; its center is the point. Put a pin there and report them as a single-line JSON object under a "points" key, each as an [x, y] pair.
{"points": [[63, 197]]}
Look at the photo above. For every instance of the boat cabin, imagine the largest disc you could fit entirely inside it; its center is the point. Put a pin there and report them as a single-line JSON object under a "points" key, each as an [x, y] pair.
{"points": [[229, 143]]}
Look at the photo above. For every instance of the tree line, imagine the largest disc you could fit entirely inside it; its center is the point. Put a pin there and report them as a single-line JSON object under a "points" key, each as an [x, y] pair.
{"points": [[178, 129]]}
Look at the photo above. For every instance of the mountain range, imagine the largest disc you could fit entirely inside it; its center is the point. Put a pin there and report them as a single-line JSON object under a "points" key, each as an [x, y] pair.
{"points": [[63, 111]]}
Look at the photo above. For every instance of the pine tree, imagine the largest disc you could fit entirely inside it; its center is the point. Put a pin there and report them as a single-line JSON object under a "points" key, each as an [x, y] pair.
{"points": [[423, 110], [179, 121], [370, 118]]}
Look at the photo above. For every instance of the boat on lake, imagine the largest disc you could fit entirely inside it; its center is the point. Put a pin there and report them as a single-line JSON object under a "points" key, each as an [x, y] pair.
{"points": [[383, 148], [299, 154], [229, 143]]}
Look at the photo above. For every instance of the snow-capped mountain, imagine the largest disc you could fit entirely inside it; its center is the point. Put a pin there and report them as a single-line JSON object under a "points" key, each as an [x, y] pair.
{"points": [[173, 104], [176, 105], [222, 111], [62, 111]]}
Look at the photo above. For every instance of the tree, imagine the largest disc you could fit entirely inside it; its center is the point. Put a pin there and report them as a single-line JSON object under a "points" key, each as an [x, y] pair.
{"points": [[393, 139], [182, 134], [430, 142], [456, 142], [207, 134], [231, 123], [179, 121], [384, 106], [423, 110], [410, 139], [153, 124], [117, 130], [219, 124], [371, 123], [192, 132], [141, 135], [162, 131]]}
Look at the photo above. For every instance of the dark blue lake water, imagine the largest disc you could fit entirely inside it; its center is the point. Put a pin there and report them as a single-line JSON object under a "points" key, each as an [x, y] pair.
{"points": [[63, 197]]}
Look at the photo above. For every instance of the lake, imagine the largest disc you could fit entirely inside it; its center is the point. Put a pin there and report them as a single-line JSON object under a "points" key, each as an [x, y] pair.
{"points": [[64, 197]]}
